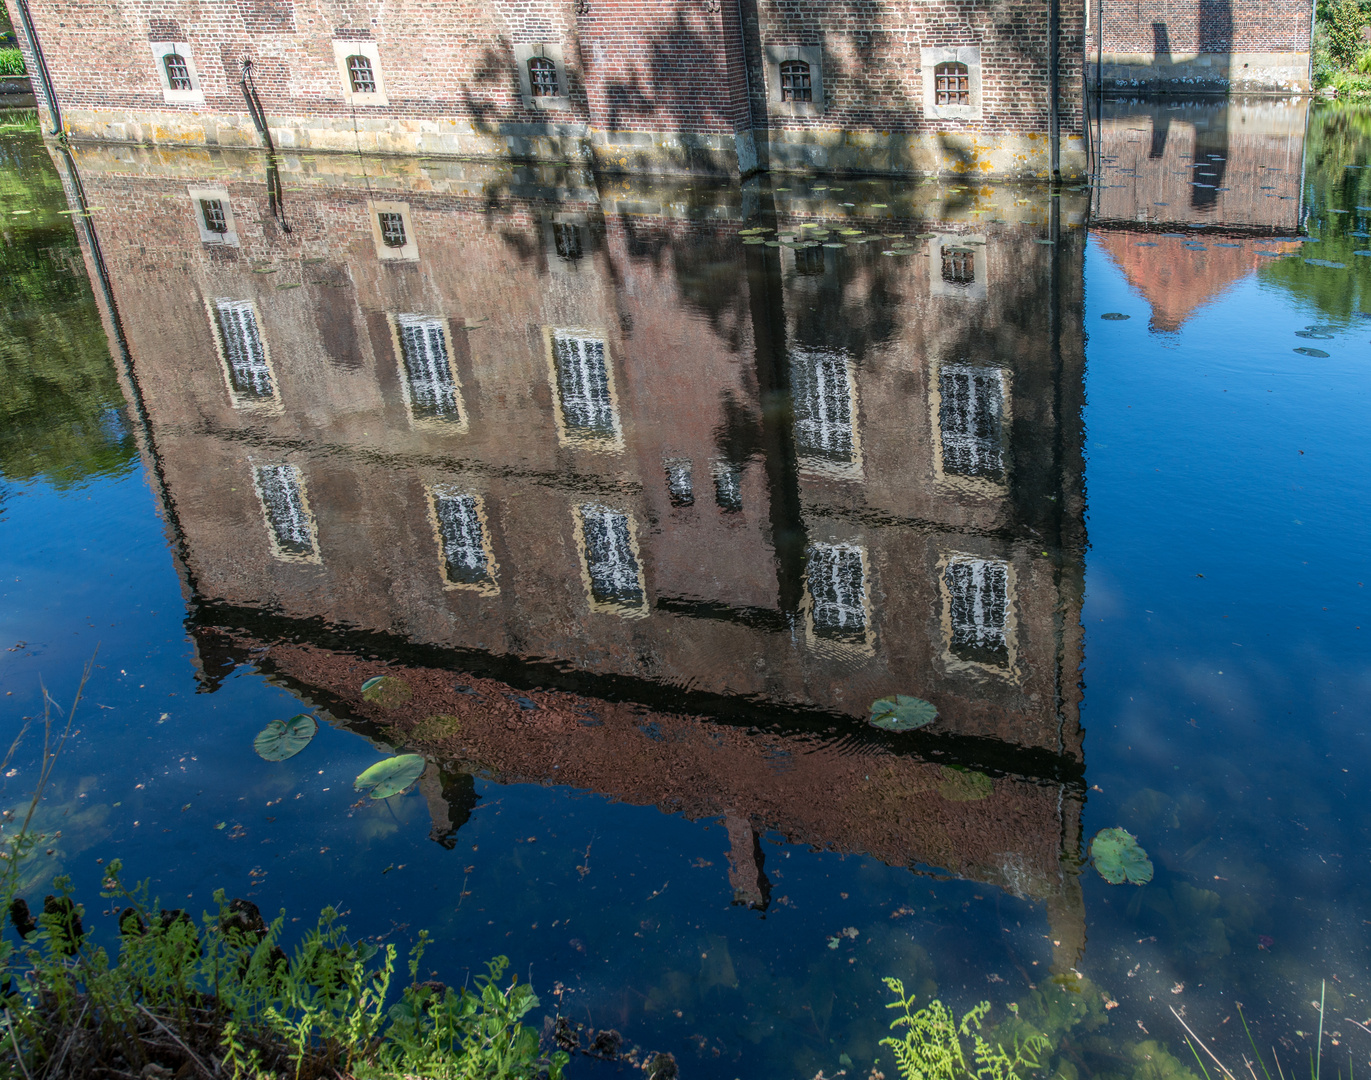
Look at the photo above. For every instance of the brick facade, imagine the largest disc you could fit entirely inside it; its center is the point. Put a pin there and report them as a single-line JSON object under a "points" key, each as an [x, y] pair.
{"points": [[1203, 46], [666, 85]]}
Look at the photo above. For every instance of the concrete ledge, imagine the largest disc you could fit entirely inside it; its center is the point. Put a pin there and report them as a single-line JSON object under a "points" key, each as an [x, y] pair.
{"points": [[936, 153], [1258, 73], [15, 84]]}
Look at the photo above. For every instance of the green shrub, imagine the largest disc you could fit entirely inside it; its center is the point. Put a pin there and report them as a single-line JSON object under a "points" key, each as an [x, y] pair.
{"points": [[12, 62], [1345, 20]]}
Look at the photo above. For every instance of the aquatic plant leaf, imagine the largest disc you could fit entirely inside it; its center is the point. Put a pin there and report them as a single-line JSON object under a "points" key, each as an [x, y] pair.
{"points": [[1313, 352], [386, 691], [283, 739], [902, 713], [1115, 316], [1118, 858], [390, 776]]}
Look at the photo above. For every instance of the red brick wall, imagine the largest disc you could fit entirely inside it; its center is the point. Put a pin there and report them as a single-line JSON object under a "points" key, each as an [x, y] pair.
{"points": [[1213, 26], [645, 65]]}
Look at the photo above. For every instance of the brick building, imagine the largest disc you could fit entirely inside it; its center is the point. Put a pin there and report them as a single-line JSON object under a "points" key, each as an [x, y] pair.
{"points": [[1201, 46], [704, 86], [593, 440]]}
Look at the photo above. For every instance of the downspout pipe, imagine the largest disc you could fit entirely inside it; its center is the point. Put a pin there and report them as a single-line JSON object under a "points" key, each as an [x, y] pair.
{"points": [[44, 76], [1054, 150]]}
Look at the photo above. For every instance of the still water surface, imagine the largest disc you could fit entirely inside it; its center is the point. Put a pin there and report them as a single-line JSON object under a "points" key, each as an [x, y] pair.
{"points": [[645, 493]]}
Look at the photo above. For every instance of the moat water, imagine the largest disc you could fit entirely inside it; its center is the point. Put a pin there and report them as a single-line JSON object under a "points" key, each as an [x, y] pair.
{"points": [[643, 493]]}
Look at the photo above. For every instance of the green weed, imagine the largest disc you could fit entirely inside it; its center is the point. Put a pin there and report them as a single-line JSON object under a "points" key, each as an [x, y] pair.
{"points": [[12, 62]]}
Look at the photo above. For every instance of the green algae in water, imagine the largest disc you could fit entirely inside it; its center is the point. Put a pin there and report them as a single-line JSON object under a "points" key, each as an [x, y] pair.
{"points": [[282, 739], [386, 691], [1118, 858], [902, 712], [391, 776]]}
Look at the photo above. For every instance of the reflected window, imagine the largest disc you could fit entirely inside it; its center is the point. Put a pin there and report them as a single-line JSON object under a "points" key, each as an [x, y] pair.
{"points": [[212, 213], [583, 385], [244, 353], [680, 487], [542, 77], [809, 261], [462, 532], [821, 391], [728, 486], [978, 597], [282, 492], [611, 562], [178, 72], [361, 76], [392, 227], [795, 81], [959, 266], [952, 84], [567, 237], [433, 390], [836, 578], [971, 420]]}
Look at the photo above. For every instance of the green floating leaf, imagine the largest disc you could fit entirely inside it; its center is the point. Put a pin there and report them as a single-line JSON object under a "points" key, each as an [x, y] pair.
{"points": [[1114, 316], [283, 739], [391, 776], [902, 713], [1118, 858], [386, 691]]}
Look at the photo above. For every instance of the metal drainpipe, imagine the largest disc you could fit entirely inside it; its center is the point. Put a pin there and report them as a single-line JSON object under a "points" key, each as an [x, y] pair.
{"points": [[44, 77], [1054, 121]]}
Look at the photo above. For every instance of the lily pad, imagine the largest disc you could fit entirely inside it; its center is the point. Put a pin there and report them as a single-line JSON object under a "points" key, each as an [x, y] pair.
{"points": [[386, 691], [902, 713], [1319, 353], [1115, 316], [1118, 858], [283, 739], [390, 776]]}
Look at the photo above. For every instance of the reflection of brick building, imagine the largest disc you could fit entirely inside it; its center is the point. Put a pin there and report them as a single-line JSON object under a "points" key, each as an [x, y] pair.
{"points": [[673, 86], [1229, 179], [599, 443], [1202, 46]]}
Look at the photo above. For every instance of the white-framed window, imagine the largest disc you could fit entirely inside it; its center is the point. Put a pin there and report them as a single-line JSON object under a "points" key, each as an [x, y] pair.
{"points": [[392, 231], [972, 428], [285, 508], [837, 600], [951, 77], [611, 567], [977, 592], [428, 377], [823, 393], [583, 389], [243, 353], [177, 73], [566, 239], [213, 215], [459, 519], [957, 266], [794, 79], [359, 72], [542, 76], [680, 484]]}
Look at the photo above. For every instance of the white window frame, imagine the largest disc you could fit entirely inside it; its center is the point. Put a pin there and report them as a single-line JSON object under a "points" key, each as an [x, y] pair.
{"points": [[277, 552], [196, 94], [450, 424], [977, 290], [929, 59], [581, 223], [972, 485], [611, 607], [773, 56], [866, 646], [270, 404], [951, 661], [342, 49], [410, 251], [491, 585], [607, 442], [819, 464], [548, 50], [210, 193]]}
